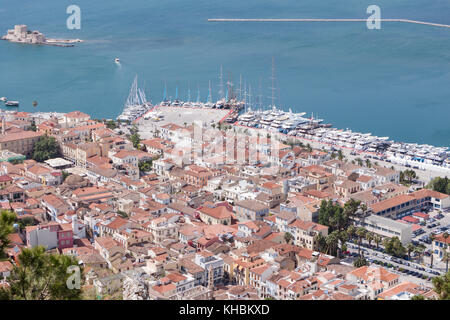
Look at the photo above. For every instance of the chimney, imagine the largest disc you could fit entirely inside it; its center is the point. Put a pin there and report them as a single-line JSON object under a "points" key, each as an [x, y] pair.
{"points": [[3, 125]]}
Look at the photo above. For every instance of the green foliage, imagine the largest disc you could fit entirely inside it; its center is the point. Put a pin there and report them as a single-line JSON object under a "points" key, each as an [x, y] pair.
{"points": [[288, 237], [440, 185], [136, 140], [442, 286], [145, 165], [65, 174], [7, 219], [111, 124], [360, 262], [46, 148], [33, 126], [335, 216], [407, 176], [122, 214], [42, 276], [394, 247], [418, 297], [25, 222], [16, 161]]}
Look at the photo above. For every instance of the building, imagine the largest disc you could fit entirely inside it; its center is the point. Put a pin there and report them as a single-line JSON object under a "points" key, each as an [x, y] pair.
{"points": [[19, 142], [51, 235], [20, 33], [375, 279], [210, 263], [387, 227], [250, 210], [76, 118], [217, 215], [440, 245]]}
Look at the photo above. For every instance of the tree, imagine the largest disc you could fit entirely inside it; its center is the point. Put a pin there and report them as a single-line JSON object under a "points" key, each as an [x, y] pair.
{"points": [[145, 165], [45, 148], [111, 124], [332, 243], [360, 262], [419, 250], [351, 231], [288, 237], [394, 247], [368, 163], [65, 174], [121, 213], [33, 126], [440, 185], [359, 161], [446, 256], [377, 239], [7, 219], [418, 297], [135, 140], [432, 254], [370, 237], [340, 155], [309, 148], [320, 243], [410, 248], [43, 276], [442, 286], [360, 232]]}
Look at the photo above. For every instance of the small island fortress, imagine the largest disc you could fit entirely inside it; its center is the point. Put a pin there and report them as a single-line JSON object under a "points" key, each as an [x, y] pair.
{"points": [[21, 34]]}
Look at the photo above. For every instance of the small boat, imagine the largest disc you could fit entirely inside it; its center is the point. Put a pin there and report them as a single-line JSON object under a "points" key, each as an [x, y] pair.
{"points": [[12, 103], [3, 99], [117, 60]]}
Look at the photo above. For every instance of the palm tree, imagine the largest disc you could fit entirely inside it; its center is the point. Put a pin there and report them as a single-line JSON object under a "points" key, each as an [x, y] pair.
{"points": [[432, 254], [446, 258], [377, 239], [360, 232], [359, 161], [370, 237], [368, 163], [446, 254], [419, 250], [332, 242], [351, 231], [410, 248]]}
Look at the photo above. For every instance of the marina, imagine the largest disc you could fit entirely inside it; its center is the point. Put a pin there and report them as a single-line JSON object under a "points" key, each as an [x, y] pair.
{"points": [[294, 125]]}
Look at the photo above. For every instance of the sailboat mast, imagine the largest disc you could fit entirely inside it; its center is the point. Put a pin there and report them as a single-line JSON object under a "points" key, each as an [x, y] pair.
{"points": [[209, 93], [273, 88], [221, 93], [189, 93]]}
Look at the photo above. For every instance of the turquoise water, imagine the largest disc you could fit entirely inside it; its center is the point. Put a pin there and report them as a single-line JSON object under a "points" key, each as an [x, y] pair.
{"points": [[391, 82]]}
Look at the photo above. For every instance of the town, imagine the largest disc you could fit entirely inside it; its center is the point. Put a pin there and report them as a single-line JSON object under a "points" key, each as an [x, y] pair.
{"points": [[185, 205]]}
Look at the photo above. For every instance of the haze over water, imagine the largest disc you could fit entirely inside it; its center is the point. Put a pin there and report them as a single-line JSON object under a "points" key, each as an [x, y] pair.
{"points": [[391, 82]]}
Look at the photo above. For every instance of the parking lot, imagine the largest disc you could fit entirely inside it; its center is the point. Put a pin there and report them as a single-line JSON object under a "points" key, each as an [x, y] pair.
{"points": [[179, 115], [407, 269]]}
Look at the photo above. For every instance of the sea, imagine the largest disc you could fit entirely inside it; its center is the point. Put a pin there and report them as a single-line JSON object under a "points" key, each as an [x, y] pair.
{"points": [[393, 81]]}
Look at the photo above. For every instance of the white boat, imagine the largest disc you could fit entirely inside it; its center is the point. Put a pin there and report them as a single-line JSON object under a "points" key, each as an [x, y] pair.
{"points": [[12, 103], [117, 60], [3, 99]]}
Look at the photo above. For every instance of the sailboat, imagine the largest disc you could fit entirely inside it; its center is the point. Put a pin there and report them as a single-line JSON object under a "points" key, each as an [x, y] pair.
{"points": [[136, 104]]}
